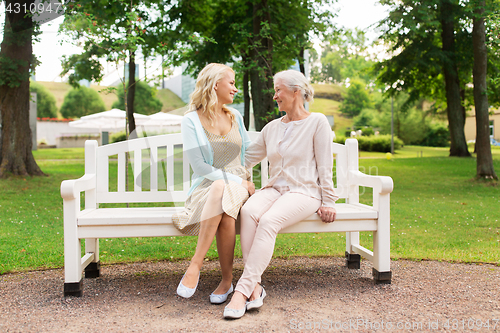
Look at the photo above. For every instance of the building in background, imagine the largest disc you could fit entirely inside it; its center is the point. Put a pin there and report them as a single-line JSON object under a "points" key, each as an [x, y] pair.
{"points": [[470, 127]]}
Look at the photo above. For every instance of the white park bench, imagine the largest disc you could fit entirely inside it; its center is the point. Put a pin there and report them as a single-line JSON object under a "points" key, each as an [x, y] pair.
{"points": [[161, 176]]}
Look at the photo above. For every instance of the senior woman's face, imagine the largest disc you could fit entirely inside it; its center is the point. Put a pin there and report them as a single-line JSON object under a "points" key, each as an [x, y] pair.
{"points": [[283, 95]]}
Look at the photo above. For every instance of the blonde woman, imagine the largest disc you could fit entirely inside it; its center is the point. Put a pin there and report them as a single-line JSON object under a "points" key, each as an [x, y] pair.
{"points": [[299, 149], [215, 141]]}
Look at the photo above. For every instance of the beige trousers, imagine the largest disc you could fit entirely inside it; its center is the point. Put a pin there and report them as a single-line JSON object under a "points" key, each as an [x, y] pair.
{"points": [[263, 215]]}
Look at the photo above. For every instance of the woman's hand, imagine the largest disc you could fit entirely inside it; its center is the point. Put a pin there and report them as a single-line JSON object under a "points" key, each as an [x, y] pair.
{"points": [[249, 186], [327, 214]]}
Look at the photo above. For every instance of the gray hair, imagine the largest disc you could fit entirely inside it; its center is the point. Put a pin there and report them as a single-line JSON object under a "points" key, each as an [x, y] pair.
{"points": [[295, 80]]}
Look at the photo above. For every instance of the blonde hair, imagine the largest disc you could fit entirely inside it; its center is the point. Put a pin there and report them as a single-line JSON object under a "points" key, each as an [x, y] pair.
{"points": [[295, 80], [204, 95]]}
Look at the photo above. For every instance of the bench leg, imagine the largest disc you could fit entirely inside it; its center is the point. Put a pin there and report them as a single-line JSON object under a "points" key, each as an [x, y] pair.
{"points": [[73, 288], [93, 270], [73, 285], [382, 244], [353, 260], [381, 277]]}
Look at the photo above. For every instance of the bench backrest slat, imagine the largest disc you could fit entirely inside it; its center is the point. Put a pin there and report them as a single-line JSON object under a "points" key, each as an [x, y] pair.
{"points": [[340, 170], [170, 168], [161, 159]]}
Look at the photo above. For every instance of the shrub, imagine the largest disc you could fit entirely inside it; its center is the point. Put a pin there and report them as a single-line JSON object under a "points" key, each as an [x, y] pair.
{"points": [[81, 102], [145, 101], [356, 99], [367, 131], [380, 143], [118, 137], [340, 139], [45, 101], [436, 135], [365, 118]]}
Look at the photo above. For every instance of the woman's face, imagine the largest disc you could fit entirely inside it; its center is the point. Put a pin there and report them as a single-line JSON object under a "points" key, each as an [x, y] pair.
{"points": [[226, 89], [283, 95]]}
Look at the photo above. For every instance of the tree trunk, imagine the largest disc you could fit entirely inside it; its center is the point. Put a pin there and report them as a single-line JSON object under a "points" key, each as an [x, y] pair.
{"points": [[16, 59], [483, 146], [261, 75], [455, 111], [246, 99], [302, 66], [131, 95]]}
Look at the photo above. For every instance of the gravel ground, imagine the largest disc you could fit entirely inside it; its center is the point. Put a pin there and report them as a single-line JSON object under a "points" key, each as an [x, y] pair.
{"points": [[304, 294]]}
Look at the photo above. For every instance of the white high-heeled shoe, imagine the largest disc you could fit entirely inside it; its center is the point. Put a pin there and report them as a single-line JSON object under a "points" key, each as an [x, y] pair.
{"points": [[184, 291], [219, 299], [257, 303]]}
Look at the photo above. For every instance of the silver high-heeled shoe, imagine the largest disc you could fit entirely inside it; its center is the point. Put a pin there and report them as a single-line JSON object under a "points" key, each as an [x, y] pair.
{"points": [[184, 291]]}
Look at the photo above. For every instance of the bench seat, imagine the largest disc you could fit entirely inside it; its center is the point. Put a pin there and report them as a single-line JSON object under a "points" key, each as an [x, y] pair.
{"points": [[156, 221]]}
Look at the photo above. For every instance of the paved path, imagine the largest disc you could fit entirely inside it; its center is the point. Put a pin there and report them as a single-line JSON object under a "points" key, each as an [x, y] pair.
{"points": [[304, 294]]}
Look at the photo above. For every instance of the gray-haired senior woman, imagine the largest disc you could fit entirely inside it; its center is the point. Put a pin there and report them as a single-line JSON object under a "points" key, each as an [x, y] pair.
{"points": [[299, 149]]}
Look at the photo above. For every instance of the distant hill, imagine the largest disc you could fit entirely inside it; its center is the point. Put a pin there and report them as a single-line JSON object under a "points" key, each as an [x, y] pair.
{"points": [[327, 100], [329, 91], [170, 100]]}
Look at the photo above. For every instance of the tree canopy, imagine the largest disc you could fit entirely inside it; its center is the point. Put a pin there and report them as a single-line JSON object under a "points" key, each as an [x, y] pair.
{"points": [[356, 99], [344, 56], [259, 37]]}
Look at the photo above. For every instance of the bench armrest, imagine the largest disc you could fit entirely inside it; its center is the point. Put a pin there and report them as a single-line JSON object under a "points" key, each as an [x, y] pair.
{"points": [[380, 184], [70, 189]]}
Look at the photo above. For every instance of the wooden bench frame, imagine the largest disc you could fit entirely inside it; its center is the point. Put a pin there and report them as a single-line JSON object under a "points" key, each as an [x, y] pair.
{"points": [[93, 222]]}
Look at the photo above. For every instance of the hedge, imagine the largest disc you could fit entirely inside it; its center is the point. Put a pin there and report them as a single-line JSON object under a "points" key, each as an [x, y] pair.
{"points": [[380, 143]]}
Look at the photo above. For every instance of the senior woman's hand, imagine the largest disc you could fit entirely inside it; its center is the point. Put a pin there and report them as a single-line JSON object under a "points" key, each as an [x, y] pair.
{"points": [[327, 214], [249, 186]]}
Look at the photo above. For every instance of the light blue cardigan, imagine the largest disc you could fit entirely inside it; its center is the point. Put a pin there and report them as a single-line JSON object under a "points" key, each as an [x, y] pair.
{"points": [[199, 151]]}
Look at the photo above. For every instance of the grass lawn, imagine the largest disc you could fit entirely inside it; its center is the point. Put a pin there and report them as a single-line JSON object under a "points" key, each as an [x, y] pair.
{"points": [[438, 212]]}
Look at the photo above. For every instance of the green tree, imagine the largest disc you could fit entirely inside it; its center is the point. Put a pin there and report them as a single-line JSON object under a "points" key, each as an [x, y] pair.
{"points": [[115, 31], [80, 102], [344, 56], [356, 99], [259, 37], [431, 42], [484, 161], [430, 60], [16, 64], [145, 101], [45, 101]]}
